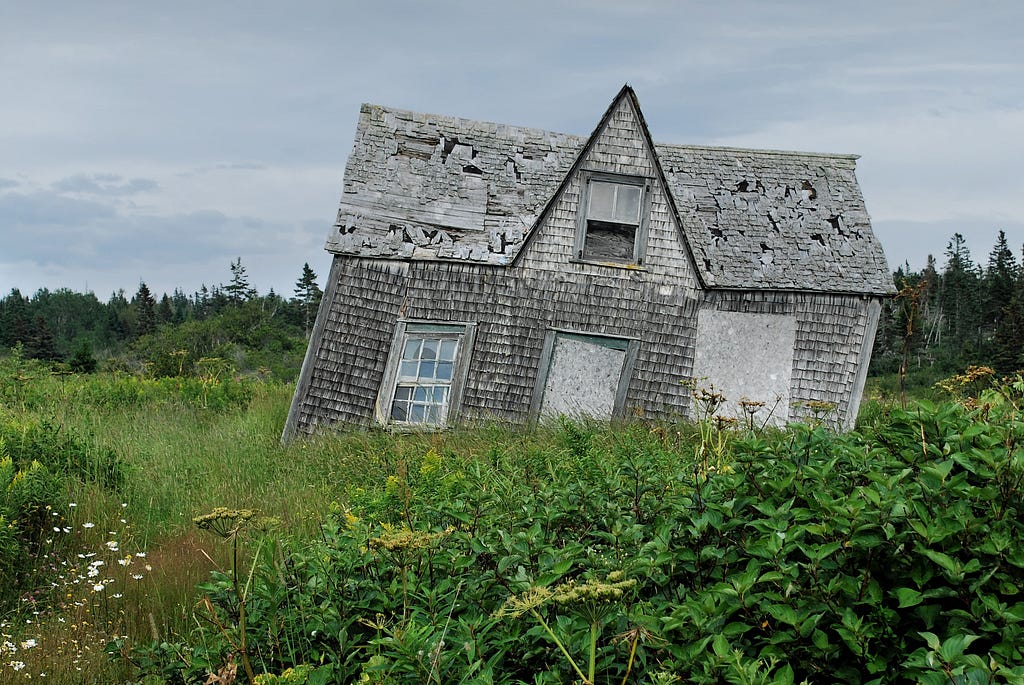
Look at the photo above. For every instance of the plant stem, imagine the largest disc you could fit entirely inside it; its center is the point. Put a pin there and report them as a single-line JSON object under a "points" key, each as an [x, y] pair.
{"points": [[593, 652], [561, 647]]}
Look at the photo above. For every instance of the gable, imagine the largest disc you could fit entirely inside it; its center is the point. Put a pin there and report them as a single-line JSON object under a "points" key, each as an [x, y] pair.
{"points": [[421, 186], [575, 235]]}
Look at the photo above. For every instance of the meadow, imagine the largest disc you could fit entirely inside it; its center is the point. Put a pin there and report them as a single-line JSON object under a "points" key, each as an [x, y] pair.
{"points": [[155, 531]]}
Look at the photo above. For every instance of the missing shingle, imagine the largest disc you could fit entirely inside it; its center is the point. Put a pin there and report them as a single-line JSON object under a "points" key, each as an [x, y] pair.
{"points": [[742, 187], [834, 222], [472, 169], [447, 145], [807, 191], [817, 237]]}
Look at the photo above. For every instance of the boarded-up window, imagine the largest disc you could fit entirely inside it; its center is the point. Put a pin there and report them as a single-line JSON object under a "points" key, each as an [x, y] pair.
{"points": [[747, 357], [612, 218], [583, 375], [425, 373]]}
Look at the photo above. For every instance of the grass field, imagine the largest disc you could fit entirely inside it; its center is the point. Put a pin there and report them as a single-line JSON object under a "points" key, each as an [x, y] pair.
{"points": [[117, 562]]}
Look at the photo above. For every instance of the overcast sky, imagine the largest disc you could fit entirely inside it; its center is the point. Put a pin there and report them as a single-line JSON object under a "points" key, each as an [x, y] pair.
{"points": [[158, 141]]}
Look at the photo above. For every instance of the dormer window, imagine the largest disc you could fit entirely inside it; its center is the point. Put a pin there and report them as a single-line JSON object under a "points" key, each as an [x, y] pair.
{"points": [[613, 219]]}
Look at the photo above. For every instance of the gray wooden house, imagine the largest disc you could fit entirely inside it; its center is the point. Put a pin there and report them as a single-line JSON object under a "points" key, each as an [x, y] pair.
{"points": [[489, 271]]}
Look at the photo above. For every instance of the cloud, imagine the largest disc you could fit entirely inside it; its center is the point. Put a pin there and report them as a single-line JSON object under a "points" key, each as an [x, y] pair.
{"points": [[105, 184], [43, 208], [63, 238], [6, 183]]}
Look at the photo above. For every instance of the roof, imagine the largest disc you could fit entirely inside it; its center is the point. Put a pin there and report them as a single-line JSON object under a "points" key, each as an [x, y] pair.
{"points": [[424, 186]]}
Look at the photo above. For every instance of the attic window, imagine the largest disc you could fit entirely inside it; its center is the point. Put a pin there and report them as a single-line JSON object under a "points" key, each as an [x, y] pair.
{"points": [[612, 225], [425, 373]]}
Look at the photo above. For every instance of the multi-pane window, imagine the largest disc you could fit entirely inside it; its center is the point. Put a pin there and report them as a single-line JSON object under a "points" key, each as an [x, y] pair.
{"points": [[424, 380], [611, 228], [425, 373]]}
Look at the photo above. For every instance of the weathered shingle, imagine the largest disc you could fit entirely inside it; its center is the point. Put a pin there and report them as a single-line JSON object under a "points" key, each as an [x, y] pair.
{"points": [[422, 186]]}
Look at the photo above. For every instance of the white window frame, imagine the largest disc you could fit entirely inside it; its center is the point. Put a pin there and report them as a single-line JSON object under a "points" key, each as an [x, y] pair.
{"points": [[587, 179], [406, 330]]}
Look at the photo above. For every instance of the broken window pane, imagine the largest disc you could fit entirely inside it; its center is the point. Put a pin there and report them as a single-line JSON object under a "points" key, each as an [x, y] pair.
{"points": [[612, 221], [609, 242]]}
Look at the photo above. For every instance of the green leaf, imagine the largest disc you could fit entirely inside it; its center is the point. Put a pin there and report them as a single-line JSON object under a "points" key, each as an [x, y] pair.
{"points": [[721, 647], [908, 597], [933, 641], [783, 613], [944, 560]]}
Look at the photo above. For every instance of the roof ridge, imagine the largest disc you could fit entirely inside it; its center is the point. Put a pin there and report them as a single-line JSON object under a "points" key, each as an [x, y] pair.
{"points": [[585, 138]]}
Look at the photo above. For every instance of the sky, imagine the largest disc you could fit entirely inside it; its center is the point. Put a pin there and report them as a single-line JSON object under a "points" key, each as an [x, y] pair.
{"points": [[159, 141]]}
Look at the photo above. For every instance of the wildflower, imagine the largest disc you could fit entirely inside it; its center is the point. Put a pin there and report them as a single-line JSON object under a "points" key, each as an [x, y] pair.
{"points": [[72, 504], [112, 545], [137, 576], [28, 644], [88, 524], [17, 665], [98, 587], [141, 555], [124, 505]]}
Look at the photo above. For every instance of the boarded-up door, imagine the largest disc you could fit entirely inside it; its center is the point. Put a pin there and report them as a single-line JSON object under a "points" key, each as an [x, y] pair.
{"points": [[583, 375]]}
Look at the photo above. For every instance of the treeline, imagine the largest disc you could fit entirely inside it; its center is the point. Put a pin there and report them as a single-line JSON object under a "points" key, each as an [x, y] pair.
{"points": [[963, 313], [169, 335], [942, 320]]}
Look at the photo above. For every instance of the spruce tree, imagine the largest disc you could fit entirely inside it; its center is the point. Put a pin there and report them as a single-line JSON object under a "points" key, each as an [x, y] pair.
{"points": [[239, 290], [307, 297], [960, 300], [145, 311], [14, 318], [40, 344]]}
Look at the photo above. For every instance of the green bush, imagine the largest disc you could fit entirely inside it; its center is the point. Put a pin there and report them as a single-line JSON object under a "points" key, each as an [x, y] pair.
{"points": [[889, 555]]}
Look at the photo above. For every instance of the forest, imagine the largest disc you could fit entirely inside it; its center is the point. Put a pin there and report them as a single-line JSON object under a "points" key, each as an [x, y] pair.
{"points": [[945, 317]]}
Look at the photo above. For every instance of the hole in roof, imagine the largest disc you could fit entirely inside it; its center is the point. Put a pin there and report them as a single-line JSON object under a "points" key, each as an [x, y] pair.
{"points": [[807, 191], [742, 187], [834, 221], [472, 169], [817, 237]]}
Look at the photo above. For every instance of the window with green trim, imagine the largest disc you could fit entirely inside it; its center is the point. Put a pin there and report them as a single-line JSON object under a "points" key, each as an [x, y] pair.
{"points": [[425, 373]]}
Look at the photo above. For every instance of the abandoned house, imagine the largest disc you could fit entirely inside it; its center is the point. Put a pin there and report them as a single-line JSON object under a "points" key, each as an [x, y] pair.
{"points": [[483, 270]]}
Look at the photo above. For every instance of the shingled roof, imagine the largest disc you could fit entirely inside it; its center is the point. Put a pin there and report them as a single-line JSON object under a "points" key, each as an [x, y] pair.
{"points": [[424, 186]]}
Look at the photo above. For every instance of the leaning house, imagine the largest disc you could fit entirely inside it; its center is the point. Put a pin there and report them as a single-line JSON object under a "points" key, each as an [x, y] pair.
{"points": [[483, 270]]}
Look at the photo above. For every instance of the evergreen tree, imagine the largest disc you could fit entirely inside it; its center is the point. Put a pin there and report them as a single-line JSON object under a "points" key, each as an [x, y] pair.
{"points": [[40, 343], [960, 299], [145, 308], [164, 310], [14, 318], [239, 290], [180, 304], [1008, 341], [307, 297], [82, 360]]}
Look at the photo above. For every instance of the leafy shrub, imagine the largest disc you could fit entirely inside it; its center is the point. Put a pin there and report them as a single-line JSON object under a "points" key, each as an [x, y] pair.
{"points": [[889, 555]]}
